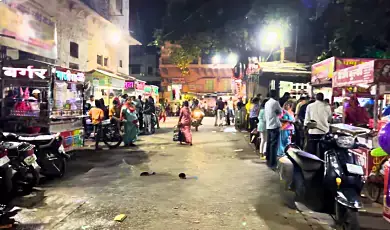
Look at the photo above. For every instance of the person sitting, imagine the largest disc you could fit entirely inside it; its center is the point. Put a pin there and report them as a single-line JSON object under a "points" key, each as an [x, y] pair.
{"points": [[355, 114]]}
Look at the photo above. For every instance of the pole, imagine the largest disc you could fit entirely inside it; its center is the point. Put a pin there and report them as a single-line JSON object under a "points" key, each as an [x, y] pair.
{"points": [[376, 107]]}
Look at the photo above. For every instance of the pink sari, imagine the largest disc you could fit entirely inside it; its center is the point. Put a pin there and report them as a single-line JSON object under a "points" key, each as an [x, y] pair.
{"points": [[185, 121]]}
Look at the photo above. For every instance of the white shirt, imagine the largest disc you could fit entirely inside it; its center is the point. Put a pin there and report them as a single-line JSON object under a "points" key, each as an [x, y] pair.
{"points": [[272, 110], [230, 104], [321, 113]]}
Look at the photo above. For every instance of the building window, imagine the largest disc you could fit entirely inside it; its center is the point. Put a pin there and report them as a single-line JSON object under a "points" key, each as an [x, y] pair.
{"points": [[119, 6], [120, 63], [209, 86], [150, 70], [73, 66], [135, 69], [99, 59], [105, 61], [74, 50]]}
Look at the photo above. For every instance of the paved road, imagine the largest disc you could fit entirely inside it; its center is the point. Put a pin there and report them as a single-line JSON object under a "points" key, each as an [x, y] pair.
{"points": [[228, 188]]}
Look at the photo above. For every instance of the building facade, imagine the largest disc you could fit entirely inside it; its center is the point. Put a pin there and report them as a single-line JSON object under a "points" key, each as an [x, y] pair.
{"points": [[144, 65], [203, 80]]}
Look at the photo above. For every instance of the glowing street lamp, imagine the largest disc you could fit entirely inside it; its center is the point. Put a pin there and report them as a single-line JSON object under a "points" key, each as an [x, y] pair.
{"points": [[216, 59], [232, 59], [273, 36]]}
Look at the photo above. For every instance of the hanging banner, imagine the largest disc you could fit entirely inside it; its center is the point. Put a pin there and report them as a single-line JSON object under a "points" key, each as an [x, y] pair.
{"points": [[24, 26], [355, 75]]}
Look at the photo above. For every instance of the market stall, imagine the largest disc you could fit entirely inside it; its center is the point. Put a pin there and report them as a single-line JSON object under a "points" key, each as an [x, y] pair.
{"points": [[42, 98], [373, 76]]}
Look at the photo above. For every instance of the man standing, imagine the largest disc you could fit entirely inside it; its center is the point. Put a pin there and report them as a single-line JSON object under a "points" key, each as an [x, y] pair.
{"points": [[321, 113], [219, 115], [139, 108], [272, 110], [149, 109], [230, 110]]}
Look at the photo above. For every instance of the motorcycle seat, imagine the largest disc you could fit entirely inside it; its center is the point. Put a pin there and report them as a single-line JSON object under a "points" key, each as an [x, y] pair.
{"points": [[305, 160], [37, 138]]}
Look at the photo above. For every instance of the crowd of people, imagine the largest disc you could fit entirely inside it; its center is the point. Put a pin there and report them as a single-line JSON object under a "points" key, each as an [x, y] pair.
{"points": [[278, 123], [135, 115]]}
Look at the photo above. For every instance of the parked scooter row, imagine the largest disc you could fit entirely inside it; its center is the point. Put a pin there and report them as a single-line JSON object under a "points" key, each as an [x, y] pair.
{"points": [[330, 184], [24, 158]]}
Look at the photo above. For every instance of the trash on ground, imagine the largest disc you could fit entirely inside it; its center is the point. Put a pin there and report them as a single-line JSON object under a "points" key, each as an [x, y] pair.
{"points": [[147, 174], [120, 217], [182, 176], [85, 227], [238, 150]]}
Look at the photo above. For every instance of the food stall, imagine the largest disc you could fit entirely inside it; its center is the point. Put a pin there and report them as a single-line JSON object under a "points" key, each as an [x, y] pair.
{"points": [[42, 98], [372, 76]]}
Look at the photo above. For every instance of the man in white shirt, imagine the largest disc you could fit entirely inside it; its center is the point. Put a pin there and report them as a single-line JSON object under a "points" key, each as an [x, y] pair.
{"points": [[320, 112], [272, 110], [230, 112]]}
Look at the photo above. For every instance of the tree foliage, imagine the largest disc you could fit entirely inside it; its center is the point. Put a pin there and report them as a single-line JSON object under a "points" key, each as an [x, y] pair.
{"points": [[208, 26], [356, 28]]}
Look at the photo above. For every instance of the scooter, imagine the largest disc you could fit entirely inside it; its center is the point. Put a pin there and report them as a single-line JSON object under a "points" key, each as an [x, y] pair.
{"points": [[5, 176], [332, 185], [24, 166], [49, 150]]}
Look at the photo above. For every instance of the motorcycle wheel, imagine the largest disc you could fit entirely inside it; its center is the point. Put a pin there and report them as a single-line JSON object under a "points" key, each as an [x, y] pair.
{"points": [[31, 179], [112, 138], [373, 191], [55, 165], [346, 218]]}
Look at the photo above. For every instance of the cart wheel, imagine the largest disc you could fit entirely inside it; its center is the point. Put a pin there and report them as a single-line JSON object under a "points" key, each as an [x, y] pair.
{"points": [[373, 191]]}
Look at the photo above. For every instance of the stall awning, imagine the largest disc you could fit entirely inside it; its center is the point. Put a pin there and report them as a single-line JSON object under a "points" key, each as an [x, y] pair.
{"points": [[105, 79]]}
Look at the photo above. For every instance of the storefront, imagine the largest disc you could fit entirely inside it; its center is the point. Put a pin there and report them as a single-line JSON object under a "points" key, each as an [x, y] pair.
{"points": [[151, 90], [103, 84], [41, 98]]}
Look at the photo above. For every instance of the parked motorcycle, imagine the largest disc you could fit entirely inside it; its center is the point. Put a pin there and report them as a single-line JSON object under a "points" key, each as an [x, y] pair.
{"points": [[332, 185], [24, 166], [5, 176], [197, 117], [7, 215], [50, 152]]}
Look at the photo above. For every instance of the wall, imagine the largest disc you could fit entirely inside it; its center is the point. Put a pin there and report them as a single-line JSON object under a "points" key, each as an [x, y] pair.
{"points": [[145, 61]]}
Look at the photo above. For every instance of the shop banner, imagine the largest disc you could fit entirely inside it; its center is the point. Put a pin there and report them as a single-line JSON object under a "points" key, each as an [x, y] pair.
{"points": [[322, 71], [117, 83], [355, 75], [139, 85], [382, 71], [25, 27], [155, 90], [129, 84]]}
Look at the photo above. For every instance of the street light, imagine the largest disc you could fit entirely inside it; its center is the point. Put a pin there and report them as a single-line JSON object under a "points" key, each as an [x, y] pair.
{"points": [[273, 36], [216, 59], [232, 59]]}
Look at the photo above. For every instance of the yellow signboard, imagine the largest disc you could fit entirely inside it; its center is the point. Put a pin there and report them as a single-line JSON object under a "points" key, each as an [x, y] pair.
{"points": [[25, 27]]}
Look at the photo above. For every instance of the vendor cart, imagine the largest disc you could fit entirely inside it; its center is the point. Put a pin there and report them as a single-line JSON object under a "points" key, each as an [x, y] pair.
{"points": [[41, 98], [373, 76]]}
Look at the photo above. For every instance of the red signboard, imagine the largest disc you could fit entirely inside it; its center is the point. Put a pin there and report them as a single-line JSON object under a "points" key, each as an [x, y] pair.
{"points": [[355, 75], [129, 84], [139, 85], [324, 71]]}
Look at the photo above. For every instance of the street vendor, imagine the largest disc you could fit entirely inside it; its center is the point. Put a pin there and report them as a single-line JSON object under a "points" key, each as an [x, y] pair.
{"points": [[355, 114]]}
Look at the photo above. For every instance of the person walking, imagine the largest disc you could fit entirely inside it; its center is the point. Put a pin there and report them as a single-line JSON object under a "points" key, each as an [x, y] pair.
{"points": [[115, 112], [261, 128], [254, 114], [321, 113], [97, 116], [272, 111], [185, 122], [163, 113], [130, 119], [230, 110]]}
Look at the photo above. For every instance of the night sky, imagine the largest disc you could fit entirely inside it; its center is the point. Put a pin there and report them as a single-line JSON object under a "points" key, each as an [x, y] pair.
{"points": [[150, 14]]}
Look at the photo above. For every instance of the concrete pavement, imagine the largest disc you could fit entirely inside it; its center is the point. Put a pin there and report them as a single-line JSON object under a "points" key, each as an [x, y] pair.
{"points": [[228, 188]]}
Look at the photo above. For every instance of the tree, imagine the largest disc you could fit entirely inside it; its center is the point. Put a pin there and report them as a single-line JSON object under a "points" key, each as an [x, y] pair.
{"points": [[220, 25], [356, 28]]}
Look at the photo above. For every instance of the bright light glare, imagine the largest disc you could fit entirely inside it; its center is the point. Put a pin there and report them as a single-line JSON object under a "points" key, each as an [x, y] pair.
{"points": [[115, 37], [232, 59], [272, 35], [216, 59], [271, 38]]}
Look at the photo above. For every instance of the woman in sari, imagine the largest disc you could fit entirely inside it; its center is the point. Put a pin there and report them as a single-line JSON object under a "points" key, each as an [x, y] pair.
{"points": [[185, 123], [287, 129], [130, 119]]}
